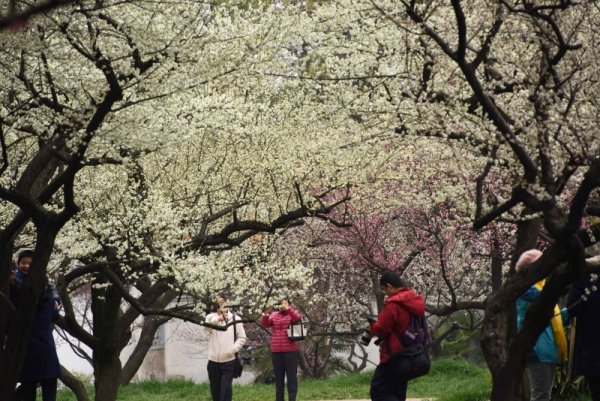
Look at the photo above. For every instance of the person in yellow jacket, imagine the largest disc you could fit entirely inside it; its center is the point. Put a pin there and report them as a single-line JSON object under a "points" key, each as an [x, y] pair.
{"points": [[551, 346]]}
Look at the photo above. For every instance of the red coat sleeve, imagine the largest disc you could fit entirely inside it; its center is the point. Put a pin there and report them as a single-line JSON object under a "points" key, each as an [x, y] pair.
{"points": [[296, 317], [266, 321]]}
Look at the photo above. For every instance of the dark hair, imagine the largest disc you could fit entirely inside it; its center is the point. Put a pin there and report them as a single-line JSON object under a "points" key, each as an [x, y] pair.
{"points": [[27, 253], [392, 278], [214, 305]]}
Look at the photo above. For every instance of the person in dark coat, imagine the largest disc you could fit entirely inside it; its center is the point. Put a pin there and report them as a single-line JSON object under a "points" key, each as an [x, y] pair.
{"points": [[584, 304], [41, 361]]}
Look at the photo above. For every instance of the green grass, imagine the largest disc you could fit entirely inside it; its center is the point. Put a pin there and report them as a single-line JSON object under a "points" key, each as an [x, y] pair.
{"points": [[449, 380], [453, 380]]}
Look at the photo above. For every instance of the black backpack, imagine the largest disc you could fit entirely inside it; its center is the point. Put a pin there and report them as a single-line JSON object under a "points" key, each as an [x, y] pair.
{"points": [[417, 332], [413, 360]]}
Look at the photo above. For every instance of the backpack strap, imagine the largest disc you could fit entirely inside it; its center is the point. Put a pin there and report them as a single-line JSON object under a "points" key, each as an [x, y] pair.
{"points": [[234, 329]]}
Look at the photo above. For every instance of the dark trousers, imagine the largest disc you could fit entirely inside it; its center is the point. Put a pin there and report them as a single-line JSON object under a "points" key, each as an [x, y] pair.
{"points": [[594, 383], [285, 364], [541, 378], [387, 384], [220, 376], [28, 390]]}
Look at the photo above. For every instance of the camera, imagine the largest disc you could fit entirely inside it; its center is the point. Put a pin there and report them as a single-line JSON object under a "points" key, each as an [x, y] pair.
{"points": [[366, 336]]}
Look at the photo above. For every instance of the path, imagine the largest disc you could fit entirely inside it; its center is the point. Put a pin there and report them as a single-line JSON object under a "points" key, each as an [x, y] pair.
{"points": [[408, 399]]}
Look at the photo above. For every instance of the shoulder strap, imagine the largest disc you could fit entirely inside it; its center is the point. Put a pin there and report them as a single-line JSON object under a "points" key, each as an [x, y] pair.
{"points": [[234, 329]]}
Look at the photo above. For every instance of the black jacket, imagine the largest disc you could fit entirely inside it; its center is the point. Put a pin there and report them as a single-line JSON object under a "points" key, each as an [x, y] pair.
{"points": [[587, 344], [41, 360]]}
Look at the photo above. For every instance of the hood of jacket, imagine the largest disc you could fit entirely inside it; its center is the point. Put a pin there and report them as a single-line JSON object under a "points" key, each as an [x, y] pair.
{"points": [[409, 300]]}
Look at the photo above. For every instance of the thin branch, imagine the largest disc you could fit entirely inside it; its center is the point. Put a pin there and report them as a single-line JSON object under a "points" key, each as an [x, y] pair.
{"points": [[590, 182], [497, 212], [482, 54], [462, 29], [480, 181], [3, 146], [458, 306], [335, 79]]}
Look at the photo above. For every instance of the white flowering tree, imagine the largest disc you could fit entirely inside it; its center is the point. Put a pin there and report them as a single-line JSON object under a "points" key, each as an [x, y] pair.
{"points": [[184, 131], [51, 114], [161, 147], [122, 291]]}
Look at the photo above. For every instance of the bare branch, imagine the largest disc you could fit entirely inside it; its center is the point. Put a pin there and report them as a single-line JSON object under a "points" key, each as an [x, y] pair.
{"points": [[458, 306], [590, 182], [3, 147], [462, 29]]}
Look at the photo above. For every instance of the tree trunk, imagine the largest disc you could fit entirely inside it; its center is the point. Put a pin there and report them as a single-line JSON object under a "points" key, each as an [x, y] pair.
{"points": [[6, 252], [527, 237], [106, 309], [379, 296], [496, 266], [76, 385], [500, 326], [151, 324], [107, 376]]}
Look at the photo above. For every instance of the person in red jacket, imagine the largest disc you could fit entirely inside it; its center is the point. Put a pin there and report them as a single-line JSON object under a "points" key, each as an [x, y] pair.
{"points": [[284, 352], [400, 304]]}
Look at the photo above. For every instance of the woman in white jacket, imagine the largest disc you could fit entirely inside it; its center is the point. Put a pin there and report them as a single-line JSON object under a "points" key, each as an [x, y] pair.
{"points": [[222, 347]]}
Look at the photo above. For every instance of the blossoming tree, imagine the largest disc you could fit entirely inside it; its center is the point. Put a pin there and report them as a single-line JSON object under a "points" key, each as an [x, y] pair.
{"points": [[413, 224], [511, 82], [514, 82], [161, 147]]}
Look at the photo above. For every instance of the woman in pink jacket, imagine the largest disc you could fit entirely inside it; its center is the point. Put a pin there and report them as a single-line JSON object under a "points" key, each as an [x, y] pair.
{"points": [[284, 352]]}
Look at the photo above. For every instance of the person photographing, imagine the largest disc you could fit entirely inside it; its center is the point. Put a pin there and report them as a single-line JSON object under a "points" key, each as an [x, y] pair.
{"points": [[222, 348], [284, 352]]}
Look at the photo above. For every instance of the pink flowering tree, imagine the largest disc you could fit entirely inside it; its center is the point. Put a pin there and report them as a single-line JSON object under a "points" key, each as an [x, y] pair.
{"points": [[427, 237]]}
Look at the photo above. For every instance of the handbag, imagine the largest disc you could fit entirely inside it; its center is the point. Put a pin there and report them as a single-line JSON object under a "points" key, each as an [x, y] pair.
{"points": [[411, 362], [238, 366], [296, 332]]}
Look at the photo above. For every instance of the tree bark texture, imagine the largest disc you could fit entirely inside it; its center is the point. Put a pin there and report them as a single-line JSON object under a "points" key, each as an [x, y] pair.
{"points": [[73, 383]]}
